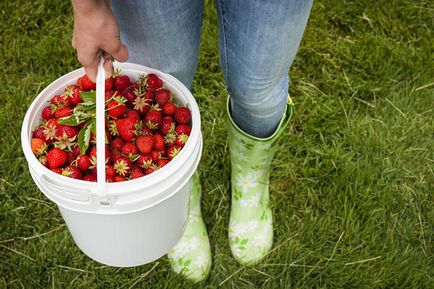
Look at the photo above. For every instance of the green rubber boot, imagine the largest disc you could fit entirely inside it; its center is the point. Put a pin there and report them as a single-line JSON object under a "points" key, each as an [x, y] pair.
{"points": [[251, 220], [191, 256]]}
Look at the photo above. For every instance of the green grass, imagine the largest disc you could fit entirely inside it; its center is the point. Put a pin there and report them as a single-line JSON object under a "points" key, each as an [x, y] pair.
{"points": [[352, 184]]}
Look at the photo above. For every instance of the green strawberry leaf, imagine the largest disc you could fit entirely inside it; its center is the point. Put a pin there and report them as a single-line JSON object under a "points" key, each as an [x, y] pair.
{"points": [[244, 242], [93, 121], [84, 137], [94, 130], [88, 96], [85, 106], [74, 119]]}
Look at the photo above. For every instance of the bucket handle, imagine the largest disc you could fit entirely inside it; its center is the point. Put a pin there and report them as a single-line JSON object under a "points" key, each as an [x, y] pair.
{"points": [[100, 134]]}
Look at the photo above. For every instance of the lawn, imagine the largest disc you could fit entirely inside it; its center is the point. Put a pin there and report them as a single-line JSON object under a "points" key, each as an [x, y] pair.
{"points": [[352, 182]]}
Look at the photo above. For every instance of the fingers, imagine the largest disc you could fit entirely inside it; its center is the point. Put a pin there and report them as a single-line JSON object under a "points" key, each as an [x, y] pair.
{"points": [[117, 50], [108, 64], [89, 60]]}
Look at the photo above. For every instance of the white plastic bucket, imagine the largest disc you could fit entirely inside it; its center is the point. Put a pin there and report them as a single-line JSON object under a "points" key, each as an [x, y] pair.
{"points": [[134, 222]]}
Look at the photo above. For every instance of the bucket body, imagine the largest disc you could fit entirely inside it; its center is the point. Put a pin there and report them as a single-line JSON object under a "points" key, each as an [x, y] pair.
{"points": [[131, 223], [130, 239]]}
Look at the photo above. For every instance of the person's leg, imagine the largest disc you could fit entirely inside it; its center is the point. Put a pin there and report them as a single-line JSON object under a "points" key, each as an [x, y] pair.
{"points": [[165, 34], [162, 34], [258, 43]]}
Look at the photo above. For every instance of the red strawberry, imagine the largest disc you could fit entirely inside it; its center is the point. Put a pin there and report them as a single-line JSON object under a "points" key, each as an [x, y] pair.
{"points": [[57, 170], [153, 119], [145, 143], [116, 108], [110, 171], [163, 153], [73, 94], [59, 100], [66, 131], [150, 170], [110, 93], [132, 114], [108, 83], [173, 151], [153, 82], [149, 95], [129, 149], [50, 130], [129, 94], [167, 126], [89, 178], [87, 84], [181, 140], [146, 130], [92, 155], [66, 137], [127, 128], [155, 156], [144, 160], [141, 104], [72, 172], [56, 158], [108, 135], [39, 133], [162, 96], [162, 162], [47, 113], [83, 162], [122, 166], [70, 157], [117, 143], [76, 151], [137, 173], [169, 108], [115, 155], [63, 112], [182, 115], [121, 82], [159, 142], [119, 179], [183, 129], [39, 146]]}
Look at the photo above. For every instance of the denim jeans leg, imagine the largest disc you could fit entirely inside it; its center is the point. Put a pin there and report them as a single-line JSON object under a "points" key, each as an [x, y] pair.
{"points": [[162, 34], [258, 42]]}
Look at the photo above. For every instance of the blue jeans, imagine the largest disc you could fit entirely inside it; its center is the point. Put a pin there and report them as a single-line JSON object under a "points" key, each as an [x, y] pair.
{"points": [[258, 41]]}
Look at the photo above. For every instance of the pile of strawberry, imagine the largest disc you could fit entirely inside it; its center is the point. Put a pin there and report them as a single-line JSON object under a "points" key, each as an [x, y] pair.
{"points": [[145, 129]]}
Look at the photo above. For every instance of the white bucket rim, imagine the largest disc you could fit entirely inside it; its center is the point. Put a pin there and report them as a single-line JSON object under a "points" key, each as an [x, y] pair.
{"points": [[114, 189]]}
